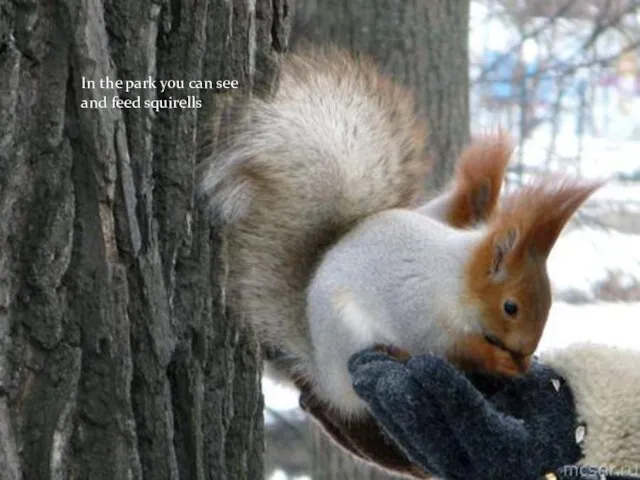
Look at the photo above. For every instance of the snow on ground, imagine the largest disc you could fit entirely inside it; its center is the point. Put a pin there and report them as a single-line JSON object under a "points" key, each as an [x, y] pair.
{"points": [[607, 323], [584, 256], [281, 475], [280, 398]]}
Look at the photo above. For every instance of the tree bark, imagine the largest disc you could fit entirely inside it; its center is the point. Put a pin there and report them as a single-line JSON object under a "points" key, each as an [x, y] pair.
{"points": [[424, 45], [117, 360]]}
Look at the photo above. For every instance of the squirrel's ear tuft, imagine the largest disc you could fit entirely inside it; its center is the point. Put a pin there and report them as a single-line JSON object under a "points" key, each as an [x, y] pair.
{"points": [[504, 243], [544, 208]]}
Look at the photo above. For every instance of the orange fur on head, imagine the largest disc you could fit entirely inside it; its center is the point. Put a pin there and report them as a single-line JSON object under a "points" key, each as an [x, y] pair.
{"points": [[478, 181], [510, 265], [541, 210]]}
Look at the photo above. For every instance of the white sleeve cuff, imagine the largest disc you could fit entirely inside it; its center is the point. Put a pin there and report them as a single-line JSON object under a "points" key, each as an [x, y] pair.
{"points": [[605, 382]]}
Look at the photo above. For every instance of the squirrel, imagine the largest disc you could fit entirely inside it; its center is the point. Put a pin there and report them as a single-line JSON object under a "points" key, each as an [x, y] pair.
{"points": [[331, 248]]}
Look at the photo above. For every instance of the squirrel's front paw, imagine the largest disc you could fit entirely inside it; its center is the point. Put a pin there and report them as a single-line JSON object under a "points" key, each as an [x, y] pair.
{"points": [[392, 351], [505, 363]]}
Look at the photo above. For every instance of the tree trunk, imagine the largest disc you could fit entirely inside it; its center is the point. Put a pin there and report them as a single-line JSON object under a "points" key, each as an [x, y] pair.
{"points": [[424, 45], [116, 358]]}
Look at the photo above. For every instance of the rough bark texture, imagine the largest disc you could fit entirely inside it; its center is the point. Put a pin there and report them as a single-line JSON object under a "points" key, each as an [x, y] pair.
{"points": [[423, 44], [116, 358]]}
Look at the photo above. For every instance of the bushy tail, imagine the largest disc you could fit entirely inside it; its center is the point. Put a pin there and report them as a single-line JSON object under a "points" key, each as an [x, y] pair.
{"points": [[337, 142]]}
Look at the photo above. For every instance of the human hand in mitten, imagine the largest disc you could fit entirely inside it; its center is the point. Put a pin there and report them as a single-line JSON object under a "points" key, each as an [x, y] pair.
{"points": [[459, 427], [579, 404]]}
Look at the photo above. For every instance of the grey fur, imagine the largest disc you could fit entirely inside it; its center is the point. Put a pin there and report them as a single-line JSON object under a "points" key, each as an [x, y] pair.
{"points": [[336, 143]]}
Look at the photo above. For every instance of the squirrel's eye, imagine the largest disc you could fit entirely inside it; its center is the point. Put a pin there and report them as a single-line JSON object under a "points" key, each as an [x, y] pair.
{"points": [[510, 308]]}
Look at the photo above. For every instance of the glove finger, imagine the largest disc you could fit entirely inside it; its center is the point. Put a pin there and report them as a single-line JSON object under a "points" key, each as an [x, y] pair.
{"points": [[418, 426], [373, 354], [482, 430], [444, 383], [424, 367], [366, 377]]}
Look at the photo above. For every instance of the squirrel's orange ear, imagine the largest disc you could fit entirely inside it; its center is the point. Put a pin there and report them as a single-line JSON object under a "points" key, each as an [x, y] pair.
{"points": [[479, 177], [543, 209]]}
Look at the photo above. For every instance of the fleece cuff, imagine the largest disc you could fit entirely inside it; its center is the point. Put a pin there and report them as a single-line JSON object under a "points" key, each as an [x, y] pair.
{"points": [[605, 382]]}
